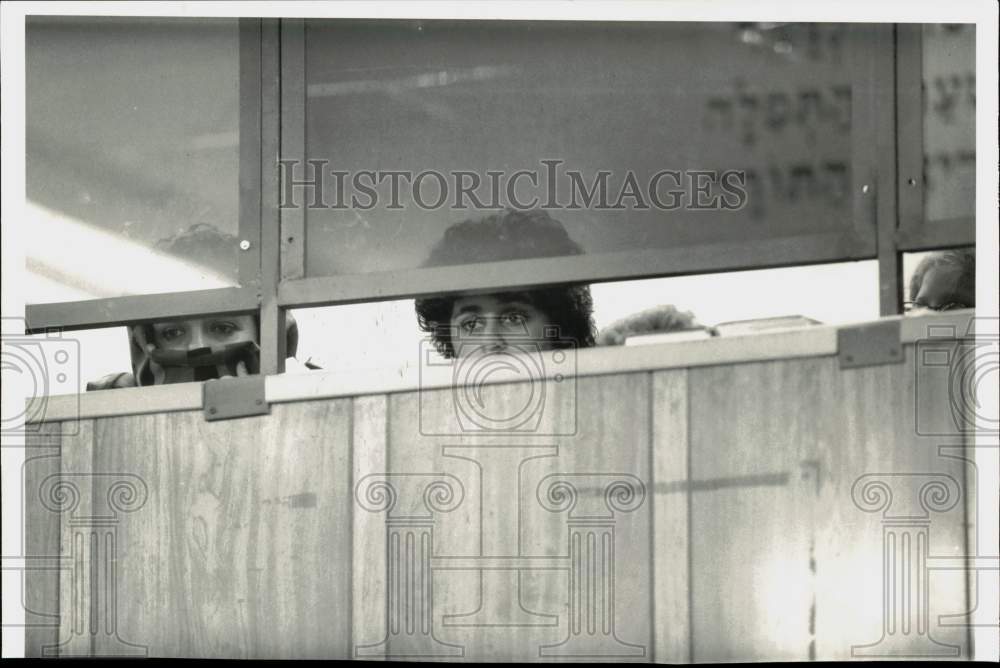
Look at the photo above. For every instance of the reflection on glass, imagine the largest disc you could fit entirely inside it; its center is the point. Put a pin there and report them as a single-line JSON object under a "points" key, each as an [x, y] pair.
{"points": [[132, 155], [949, 90], [632, 136]]}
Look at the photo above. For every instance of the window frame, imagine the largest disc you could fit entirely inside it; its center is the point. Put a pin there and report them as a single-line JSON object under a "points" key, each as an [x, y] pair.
{"points": [[115, 311], [887, 142], [853, 242], [914, 233]]}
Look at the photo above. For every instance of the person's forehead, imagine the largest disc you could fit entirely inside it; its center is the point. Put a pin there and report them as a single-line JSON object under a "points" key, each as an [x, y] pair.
{"points": [[488, 302], [201, 322]]}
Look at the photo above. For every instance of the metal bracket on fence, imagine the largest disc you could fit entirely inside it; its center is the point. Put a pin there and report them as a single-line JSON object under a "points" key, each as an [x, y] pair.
{"points": [[228, 398], [870, 345]]}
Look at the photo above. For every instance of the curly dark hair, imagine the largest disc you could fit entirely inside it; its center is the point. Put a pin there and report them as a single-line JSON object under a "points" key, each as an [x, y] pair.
{"points": [[964, 259], [663, 318], [511, 235]]}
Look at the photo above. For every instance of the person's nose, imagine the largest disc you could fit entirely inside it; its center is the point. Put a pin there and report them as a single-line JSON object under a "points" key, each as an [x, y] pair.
{"points": [[197, 339], [493, 335]]}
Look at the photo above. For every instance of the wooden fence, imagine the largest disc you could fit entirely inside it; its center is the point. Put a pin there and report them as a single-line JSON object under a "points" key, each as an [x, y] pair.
{"points": [[743, 499]]}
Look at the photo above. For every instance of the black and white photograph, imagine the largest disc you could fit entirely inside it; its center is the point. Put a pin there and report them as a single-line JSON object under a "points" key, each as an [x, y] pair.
{"points": [[501, 331]]}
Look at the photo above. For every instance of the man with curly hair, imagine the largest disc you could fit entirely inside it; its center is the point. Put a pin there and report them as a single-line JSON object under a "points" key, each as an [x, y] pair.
{"points": [[550, 318], [944, 281]]}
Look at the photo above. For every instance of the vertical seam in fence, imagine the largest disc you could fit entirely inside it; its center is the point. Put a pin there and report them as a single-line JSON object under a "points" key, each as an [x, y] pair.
{"points": [[651, 482], [688, 498], [352, 406]]}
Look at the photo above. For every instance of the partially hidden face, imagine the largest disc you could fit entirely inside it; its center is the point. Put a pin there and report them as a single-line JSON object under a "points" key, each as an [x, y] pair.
{"points": [[491, 323], [941, 288]]}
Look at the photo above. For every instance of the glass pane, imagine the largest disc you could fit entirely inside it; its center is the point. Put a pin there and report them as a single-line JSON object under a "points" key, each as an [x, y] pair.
{"points": [[132, 156], [772, 102], [949, 87]]}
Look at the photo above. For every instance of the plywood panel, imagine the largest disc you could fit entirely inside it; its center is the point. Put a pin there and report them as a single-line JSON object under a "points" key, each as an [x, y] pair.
{"points": [[303, 542], [608, 464], [728, 512], [753, 504], [231, 555], [786, 563], [979, 522], [369, 575], [671, 499], [41, 551], [178, 569], [70, 493], [501, 568], [877, 456]]}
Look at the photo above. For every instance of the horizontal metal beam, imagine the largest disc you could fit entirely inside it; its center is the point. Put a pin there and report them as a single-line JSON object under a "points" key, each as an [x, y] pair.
{"points": [[115, 311], [938, 234], [521, 274]]}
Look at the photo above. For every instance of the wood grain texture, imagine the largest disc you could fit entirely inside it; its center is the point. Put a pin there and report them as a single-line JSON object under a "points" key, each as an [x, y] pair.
{"points": [[786, 564], [590, 431], [41, 541], [751, 426], [241, 548], [671, 498], [877, 410], [976, 520], [77, 607], [179, 575], [305, 531], [745, 539], [369, 566]]}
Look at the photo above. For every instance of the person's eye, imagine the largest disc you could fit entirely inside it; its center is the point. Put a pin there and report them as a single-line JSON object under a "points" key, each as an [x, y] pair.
{"points": [[223, 328], [171, 333], [513, 318], [470, 325]]}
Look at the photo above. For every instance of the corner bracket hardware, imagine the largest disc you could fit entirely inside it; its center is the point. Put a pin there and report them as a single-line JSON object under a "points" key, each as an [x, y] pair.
{"points": [[227, 398], [870, 344]]}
